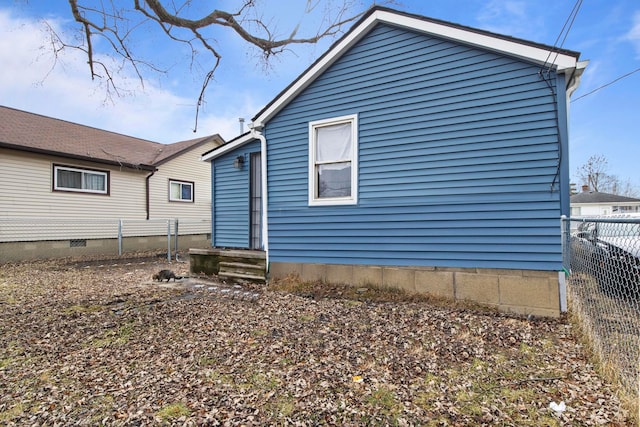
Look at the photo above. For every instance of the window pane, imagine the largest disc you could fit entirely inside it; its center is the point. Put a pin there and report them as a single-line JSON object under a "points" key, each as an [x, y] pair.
{"points": [[333, 143], [69, 179], [334, 180], [175, 191], [186, 192], [94, 182]]}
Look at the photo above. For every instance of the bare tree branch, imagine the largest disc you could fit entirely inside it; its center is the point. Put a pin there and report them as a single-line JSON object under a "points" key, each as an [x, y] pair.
{"points": [[181, 23], [594, 173]]}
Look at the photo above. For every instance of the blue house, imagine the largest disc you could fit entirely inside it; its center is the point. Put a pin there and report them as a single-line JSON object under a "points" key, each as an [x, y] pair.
{"points": [[415, 153]]}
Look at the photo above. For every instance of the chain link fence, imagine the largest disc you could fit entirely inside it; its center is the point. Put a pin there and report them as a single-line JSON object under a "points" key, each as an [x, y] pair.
{"points": [[33, 238], [603, 256]]}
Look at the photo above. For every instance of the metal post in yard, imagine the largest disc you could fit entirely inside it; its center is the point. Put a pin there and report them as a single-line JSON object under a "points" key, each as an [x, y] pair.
{"points": [[175, 232], [119, 237], [562, 275], [169, 240]]}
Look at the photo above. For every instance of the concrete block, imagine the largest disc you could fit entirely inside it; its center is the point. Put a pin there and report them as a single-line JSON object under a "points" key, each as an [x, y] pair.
{"points": [[499, 272], [279, 270], [530, 291], [438, 283], [366, 275], [536, 273], [481, 288], [402, 278], [339, 274], [458, 269], [313, 272]]}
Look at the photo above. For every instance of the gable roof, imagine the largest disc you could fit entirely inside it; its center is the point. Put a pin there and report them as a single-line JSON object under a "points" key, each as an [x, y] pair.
{"points": [[597, 197], [560, 60], [24, 131]]}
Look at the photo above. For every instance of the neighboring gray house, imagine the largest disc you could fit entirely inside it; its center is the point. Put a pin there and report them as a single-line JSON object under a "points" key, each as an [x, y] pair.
{"points": [[593, 203], [414, 153]]}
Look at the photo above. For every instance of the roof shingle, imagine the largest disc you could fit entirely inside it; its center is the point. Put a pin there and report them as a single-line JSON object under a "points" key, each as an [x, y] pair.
{"points": [[26, 131], [598, 197]]}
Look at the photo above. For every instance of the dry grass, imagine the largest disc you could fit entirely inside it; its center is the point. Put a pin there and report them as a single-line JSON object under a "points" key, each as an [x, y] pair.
{"points": [[95, 343], [609, 329]]}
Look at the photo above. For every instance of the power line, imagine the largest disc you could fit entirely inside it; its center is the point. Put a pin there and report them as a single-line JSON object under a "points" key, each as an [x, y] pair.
{"points": [[568, 23], [607, 84]]}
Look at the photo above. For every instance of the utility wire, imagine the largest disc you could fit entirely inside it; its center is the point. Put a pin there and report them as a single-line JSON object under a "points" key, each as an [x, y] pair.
{"points": [[605, 85], [547, 79], [569, 21]]}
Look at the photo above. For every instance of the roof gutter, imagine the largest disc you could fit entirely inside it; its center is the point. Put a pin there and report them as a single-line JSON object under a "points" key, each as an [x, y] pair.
{"points": [[574, 81], [140, 166], [257, 134]]}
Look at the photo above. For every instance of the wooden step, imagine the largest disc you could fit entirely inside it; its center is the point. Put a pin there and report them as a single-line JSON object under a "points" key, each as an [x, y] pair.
{"points": [[249, 277], [240, 265], [239, 270]]}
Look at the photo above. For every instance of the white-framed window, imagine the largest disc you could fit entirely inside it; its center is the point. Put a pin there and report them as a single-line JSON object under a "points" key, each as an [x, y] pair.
{"points": [[333, 161], [180, 191], [68, 178]]}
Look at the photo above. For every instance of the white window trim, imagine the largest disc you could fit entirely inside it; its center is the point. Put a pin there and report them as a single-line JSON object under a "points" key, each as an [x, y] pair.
{"points": [[56, 187], [353, 199], [177, 181]]}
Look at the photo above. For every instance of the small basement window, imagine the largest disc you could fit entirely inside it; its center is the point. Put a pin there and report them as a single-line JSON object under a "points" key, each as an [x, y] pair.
{"points": [[66, 178], [180, 191], [333, 161], [77, 243]]}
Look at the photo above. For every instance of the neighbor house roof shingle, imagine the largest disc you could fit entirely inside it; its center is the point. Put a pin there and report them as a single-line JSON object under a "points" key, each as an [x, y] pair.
{"points": [[21, 130], [597, 197]]}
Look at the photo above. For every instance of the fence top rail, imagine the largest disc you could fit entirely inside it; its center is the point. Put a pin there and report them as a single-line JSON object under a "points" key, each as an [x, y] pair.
{"points": [[608, 219]]}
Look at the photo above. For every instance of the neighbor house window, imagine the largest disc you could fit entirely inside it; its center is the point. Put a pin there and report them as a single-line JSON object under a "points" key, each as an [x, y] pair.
{"points": [[180, 191], [66, 178], [333, 161]]}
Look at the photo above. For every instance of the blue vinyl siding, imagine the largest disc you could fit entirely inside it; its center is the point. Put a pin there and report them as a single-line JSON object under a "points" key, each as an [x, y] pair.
{"points": [[458, 150], [231, 198]]}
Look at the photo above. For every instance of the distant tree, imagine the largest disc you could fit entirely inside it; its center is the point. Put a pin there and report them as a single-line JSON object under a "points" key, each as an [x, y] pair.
{"points": [[594, 173], [113, 24], [626, 188]]}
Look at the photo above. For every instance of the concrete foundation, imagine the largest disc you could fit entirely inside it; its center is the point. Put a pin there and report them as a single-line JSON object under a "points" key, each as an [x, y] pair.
{"points": [[523, 292], [25, 251]]}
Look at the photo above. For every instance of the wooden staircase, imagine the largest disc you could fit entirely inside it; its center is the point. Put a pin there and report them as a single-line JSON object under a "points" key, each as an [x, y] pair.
{"points": [[236, 265], [242, 271]]}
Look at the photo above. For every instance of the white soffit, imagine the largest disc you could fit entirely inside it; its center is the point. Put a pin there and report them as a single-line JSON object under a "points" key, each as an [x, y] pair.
{"points": [[533, 53]]}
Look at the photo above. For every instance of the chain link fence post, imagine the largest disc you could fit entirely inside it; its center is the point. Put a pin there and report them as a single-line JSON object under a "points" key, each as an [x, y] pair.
{"points": [[119, 237], [175, 231], [169, 240]]}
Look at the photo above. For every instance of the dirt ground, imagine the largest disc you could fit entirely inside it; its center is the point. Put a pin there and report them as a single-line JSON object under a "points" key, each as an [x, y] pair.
{"points": [[97, 343]]}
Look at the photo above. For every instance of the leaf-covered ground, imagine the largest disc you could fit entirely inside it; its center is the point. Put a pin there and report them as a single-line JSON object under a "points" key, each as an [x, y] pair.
{"points": [[98, 344]]}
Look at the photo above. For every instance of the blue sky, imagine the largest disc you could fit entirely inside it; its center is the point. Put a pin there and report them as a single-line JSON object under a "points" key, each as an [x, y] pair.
{"points": [[606, 32]]}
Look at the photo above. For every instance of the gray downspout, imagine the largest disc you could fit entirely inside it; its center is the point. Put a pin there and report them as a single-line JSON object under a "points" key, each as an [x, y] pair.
{"points": [[147, 196], [255, 132]]}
